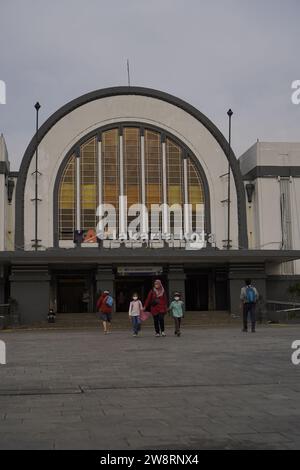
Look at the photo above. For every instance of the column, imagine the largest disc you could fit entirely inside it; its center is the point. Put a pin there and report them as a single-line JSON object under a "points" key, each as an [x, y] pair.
{"points": [[176, 278], [105, 280], [30, 288], [2, 284], [211, 290]]}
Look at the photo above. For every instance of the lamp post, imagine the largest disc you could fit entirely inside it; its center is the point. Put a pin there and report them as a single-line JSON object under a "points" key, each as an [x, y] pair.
{"points": [[36, 172], [229, 114]]}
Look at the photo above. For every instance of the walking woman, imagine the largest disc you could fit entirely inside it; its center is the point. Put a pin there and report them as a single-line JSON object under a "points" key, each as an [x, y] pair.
{"points": [[157, 303]]}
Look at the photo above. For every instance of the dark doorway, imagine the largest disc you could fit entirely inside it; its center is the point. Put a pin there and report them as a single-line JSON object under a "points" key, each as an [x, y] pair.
{"points": [[196, 292], [126, 286], [221, 292], [71, 295]]}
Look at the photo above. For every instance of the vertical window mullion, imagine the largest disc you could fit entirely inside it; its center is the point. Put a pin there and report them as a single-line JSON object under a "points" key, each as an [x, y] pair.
{"points": [[122, 210], [165, 198], [144, 228], [186, 196], [78, 208], [100, 182]]}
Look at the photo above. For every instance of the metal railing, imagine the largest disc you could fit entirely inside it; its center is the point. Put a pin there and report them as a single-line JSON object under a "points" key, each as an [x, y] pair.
{"points": [[4, 315], [282, 311], [8, 315]]}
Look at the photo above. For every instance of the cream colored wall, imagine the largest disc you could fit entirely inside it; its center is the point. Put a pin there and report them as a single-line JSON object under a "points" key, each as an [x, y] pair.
{"points": [[88, 117], [10, 226], [263, 215], [270, 154], [3, 196], [2, 212], [295, 208]]}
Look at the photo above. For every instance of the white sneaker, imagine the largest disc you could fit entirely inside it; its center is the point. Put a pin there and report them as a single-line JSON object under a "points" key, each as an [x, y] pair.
{"points": [[157, 335], [163, 334]]}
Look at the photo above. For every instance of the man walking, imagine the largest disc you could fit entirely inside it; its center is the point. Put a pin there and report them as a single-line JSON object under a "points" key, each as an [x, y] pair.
{"points": [[249, 297]]}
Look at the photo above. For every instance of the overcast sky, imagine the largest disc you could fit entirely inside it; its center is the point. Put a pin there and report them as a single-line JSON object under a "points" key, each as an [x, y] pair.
{"points": [[214, 54]]}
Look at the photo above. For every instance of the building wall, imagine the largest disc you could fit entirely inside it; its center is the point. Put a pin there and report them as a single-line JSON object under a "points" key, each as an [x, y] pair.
{"points": [[4, 169], [277, 160], [67, 131], [295, 206], [10, 224], [2, 212], [278, 288]]}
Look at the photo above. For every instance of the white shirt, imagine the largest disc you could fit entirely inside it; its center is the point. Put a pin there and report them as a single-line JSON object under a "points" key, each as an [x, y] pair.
{"points": [[135, 308]]}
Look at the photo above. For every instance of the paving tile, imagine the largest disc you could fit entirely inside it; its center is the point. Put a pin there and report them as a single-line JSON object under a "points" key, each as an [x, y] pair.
{"points": [[214, 389]]}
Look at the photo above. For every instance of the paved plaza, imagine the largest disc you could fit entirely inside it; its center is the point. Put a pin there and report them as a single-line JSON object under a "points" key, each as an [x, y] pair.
{"points": [[212, 388]]}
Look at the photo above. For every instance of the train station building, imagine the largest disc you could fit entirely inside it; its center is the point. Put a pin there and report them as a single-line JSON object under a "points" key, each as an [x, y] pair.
{"points": [[129, 147]]}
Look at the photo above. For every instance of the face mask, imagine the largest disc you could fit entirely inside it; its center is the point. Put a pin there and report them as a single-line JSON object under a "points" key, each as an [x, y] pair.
{"points": [[134, 298], [176, 298]]}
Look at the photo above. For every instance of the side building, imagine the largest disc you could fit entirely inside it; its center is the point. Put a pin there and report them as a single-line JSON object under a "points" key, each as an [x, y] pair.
{"points": [[271, 173]]}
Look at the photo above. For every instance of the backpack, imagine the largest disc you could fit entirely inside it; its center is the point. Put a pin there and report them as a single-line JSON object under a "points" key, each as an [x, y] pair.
{"points": [[250, 295], [109, 301]]}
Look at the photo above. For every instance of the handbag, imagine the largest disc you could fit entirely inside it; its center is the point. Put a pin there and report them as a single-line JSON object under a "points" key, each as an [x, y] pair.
{"points": [[144, 315]]}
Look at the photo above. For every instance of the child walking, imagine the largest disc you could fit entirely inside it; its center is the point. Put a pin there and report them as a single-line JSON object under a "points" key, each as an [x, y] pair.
{"points": [[135, 309], [177, 312]]}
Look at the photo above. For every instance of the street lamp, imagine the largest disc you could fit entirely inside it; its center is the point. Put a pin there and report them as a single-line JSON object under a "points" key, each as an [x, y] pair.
{"points": [[229, 114], [36, 173]]}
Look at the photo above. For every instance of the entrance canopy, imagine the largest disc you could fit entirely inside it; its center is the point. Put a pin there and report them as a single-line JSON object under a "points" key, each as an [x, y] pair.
{"points": [[123, 256]]}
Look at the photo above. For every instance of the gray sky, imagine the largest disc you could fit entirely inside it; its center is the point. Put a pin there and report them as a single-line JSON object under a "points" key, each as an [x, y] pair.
{"points": [[215, 54]]}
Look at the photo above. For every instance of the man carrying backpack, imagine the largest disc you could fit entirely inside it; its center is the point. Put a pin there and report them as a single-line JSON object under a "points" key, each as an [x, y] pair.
{"points": [[249, 297], [104, 306]]}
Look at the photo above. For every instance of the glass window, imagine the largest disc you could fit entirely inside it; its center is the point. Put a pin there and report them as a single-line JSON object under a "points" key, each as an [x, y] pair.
{"points": [[88, 185], [195, 190], [153, 168], [132, 178], [110, 168], [67, 201], [132, 166], [174, 180]]}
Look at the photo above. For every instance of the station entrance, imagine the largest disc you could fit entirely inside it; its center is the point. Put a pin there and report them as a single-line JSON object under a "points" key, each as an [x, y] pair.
{"points": [[77, 291], [125, 288], [73, 292], [136, 279]]}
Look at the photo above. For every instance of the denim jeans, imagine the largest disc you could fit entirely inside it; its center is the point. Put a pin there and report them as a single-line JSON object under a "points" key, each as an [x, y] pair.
{"points": [[136, 325], [249, 309], [177, 321]]}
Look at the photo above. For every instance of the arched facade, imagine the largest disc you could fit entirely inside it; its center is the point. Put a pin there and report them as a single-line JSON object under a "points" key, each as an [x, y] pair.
{"points": [[144, 163], [149, 108]]}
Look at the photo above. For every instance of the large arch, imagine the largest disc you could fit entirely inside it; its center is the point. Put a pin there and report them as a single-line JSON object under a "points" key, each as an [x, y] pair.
{"points": [[115, 91], [121, 125]]}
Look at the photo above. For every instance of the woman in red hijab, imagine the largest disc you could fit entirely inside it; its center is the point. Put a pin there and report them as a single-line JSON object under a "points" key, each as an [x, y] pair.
{"points": [[158, 304]]}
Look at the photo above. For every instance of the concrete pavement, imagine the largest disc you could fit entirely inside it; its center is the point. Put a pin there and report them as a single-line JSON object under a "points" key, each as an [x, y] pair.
{"points": [[212, 388]]}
